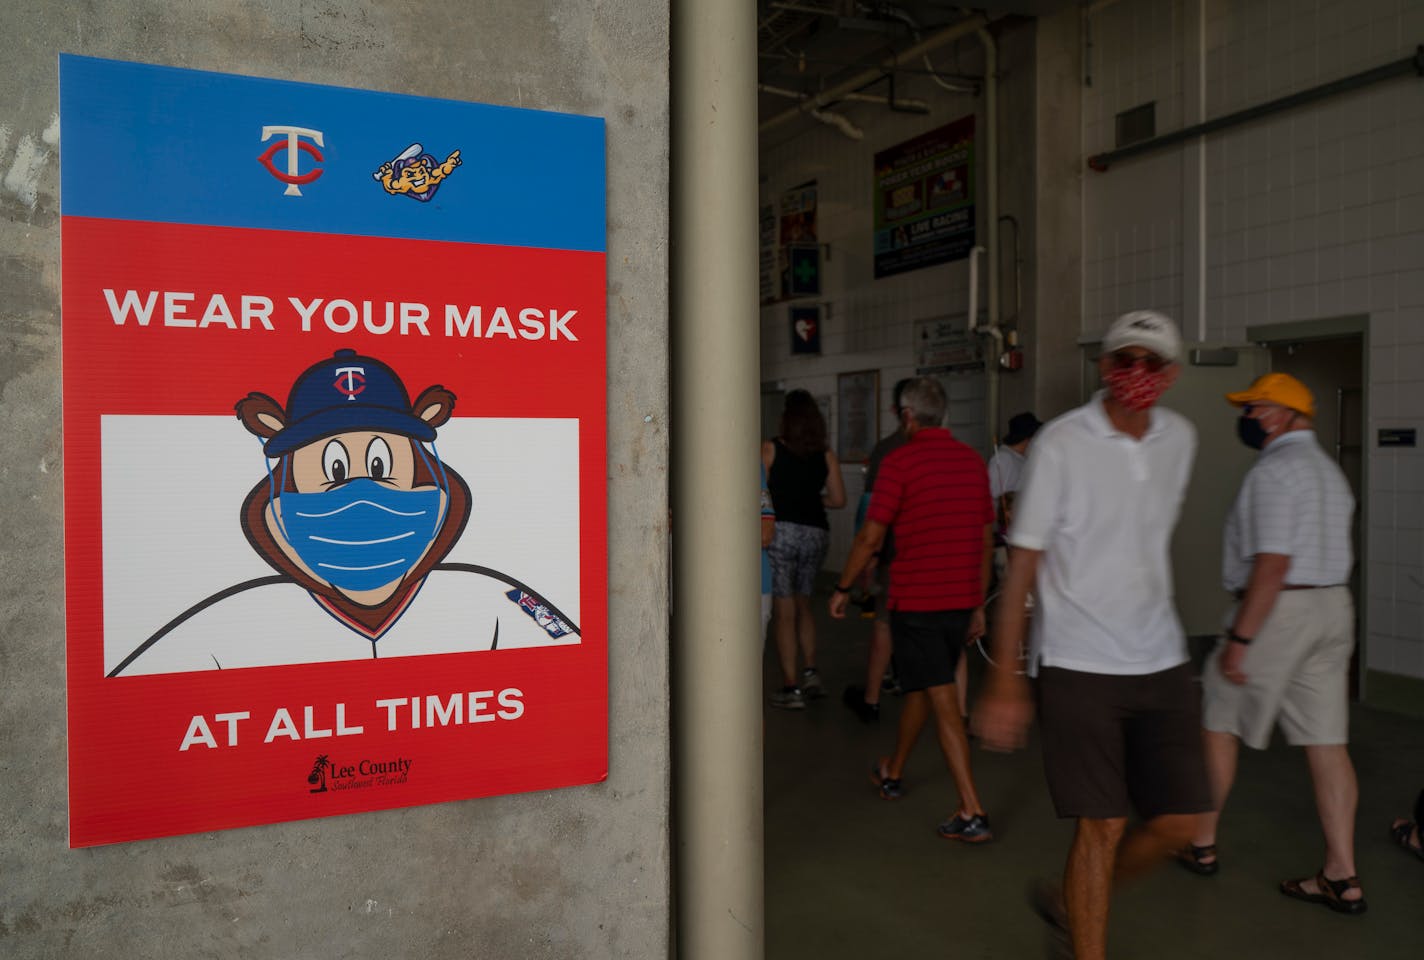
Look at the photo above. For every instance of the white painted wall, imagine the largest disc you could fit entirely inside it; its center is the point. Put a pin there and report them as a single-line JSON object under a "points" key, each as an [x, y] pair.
{"points": [[1309, 214]]}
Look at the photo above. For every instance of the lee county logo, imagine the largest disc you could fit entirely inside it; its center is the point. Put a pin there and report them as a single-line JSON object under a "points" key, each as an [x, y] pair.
{"points": [[327, 774]]}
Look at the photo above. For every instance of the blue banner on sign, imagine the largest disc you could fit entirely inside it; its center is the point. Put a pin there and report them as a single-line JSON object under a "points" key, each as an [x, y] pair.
{"points": [[182, 146]]}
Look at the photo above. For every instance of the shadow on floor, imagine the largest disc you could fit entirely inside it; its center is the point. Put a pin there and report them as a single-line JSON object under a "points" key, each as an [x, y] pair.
{"points": [[849, 875]]}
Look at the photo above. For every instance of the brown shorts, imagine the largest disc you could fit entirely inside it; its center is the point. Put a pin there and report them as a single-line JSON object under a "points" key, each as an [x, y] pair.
{"points": [[1117, 744]]}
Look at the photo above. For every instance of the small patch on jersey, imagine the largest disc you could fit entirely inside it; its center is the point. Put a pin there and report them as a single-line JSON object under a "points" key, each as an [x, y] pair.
{"points": [[540, 612]]}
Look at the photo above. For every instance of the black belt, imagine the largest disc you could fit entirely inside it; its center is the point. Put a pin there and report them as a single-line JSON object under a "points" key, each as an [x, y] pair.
{"points": [[1241, 594]]}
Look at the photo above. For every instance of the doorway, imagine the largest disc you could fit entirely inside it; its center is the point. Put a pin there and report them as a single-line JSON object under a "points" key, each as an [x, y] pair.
{"points": [[1331, 362]]}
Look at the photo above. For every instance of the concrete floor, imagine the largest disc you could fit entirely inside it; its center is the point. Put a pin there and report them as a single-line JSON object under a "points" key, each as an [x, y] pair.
{"points": [[849, 875]]}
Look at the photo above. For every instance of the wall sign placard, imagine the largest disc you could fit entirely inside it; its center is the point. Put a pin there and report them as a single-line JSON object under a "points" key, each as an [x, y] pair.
{"points": [[334, 427], [806, 330], [858, 421], [924, 199]]}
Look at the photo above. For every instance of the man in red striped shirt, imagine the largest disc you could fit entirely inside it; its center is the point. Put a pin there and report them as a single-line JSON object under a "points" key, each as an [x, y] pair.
{"points": [[933, 492]]}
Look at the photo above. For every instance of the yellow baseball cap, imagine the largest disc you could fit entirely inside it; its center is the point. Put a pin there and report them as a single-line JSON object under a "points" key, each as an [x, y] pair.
{"points": [[1281, 388]]}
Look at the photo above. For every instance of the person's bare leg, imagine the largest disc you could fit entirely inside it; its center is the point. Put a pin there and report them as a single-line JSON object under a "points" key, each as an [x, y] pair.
{"points": [[1337, 794], [879, 660], [783, 616], [805, 631], [913, 712], [1145, 847], [1087, 884], [1221, 751], [949, 726]]}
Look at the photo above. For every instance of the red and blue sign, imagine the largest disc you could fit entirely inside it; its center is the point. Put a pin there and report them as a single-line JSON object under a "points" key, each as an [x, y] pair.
{"points": [[335, 520]]}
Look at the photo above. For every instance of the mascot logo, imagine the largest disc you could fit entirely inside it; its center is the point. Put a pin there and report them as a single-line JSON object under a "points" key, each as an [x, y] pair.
{"points": [[414, 173]]}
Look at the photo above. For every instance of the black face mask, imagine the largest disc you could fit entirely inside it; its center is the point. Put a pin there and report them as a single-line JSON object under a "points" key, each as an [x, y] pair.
{"points": [[1251, 432]]}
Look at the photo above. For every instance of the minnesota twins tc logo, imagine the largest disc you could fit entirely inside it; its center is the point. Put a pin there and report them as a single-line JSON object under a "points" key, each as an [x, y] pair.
{"points": [[294, 145], [350, 381]]}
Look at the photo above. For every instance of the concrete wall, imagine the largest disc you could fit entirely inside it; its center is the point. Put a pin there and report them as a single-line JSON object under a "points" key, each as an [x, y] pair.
{"points": [[581, 872], [1309, 214]]}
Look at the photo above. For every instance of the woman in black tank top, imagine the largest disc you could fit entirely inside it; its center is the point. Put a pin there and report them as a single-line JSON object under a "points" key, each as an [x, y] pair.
{"points": [[804, 479]]}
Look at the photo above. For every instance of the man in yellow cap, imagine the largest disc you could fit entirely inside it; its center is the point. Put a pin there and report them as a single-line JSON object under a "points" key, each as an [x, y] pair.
{"points": [[1285, 658]]}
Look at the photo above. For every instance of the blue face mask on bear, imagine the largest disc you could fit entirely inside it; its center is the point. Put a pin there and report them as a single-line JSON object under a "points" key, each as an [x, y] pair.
{"points": [[362, 534]]}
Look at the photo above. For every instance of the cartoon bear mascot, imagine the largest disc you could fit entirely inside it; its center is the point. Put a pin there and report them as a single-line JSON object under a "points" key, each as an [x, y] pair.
{"points": [[355, 514]]}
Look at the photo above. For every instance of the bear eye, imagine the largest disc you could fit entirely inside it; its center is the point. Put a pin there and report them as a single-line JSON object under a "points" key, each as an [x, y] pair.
{"points": [[378, 459], [336, 462]]}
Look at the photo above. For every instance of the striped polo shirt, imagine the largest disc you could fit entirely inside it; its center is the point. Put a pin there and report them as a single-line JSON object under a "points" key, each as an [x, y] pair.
{"points": [[1295, 501], [933, 493]]}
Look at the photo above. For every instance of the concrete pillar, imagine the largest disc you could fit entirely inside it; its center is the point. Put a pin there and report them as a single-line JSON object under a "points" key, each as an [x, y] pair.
{"points": [[716, 699]]}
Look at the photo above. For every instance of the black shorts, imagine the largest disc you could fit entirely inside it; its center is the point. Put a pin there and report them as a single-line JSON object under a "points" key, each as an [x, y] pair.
{"points": [[1114, 744], [927, 646]]}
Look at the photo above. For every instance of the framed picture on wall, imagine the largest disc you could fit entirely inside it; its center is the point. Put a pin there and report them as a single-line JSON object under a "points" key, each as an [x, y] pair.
{"points": [[806, 330], [857, 414]]}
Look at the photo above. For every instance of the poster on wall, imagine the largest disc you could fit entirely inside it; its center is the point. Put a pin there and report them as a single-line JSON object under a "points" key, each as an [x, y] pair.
{"points": [[924, 200], [767, 255], [334, 432], [858, 425], [806, 330], [944, 345]]}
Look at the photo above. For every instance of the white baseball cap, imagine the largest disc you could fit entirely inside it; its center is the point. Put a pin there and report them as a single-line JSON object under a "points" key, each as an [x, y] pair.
{"points": [[1147, 329]]}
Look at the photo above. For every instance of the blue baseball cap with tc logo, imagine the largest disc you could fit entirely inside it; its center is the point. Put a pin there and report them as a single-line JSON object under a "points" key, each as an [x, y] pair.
{"points": [[347, 392]]}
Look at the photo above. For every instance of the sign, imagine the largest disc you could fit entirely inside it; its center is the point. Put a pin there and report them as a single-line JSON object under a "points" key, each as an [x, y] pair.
{"points": [[858, 424], [924, 200], [1396, 436], [806, 330], [766, 264], [945, 346], [803, 272], [334, 425]]}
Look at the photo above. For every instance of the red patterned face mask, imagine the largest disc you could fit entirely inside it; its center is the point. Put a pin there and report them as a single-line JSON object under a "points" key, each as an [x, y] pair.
{"points": [[1136, 388]]}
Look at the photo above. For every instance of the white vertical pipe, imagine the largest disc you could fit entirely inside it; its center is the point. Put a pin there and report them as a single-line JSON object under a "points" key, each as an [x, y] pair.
{"points": [[991, 188], [716, 419]]}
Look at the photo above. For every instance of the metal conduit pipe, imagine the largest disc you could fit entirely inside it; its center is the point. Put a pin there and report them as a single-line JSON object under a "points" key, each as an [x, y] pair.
{"points": [[962, 29], [902, 103], [1398, 68], [991, 189]]}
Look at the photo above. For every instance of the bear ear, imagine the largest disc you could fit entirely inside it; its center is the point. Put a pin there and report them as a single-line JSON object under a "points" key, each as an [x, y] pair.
{"points": [[261, 415], [434, 405]]}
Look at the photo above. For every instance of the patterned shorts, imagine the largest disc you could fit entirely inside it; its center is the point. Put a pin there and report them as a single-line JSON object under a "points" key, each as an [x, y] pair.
{"points": [[797, 552]]}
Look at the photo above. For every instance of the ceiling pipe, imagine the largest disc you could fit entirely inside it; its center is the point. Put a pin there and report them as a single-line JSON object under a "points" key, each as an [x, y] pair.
{"points": [[898, 103], [838, 92], [839, 122]]}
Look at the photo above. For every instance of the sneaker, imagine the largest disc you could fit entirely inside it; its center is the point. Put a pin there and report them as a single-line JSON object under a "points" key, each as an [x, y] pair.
{"points": [[890, 787], [789, 698], [973, 829], [854, 699], [811, 684]]}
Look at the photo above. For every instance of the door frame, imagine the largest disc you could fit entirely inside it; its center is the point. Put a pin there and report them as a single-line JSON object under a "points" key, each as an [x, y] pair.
{"points": [[1334, 328]]}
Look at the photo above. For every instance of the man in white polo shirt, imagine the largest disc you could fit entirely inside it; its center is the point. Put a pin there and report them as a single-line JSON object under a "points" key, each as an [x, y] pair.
{"points": [[1091, 533], [1286, 655]]}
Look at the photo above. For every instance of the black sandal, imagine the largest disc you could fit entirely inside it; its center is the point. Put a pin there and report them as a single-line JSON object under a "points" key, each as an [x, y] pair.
{"points": [[1400, 834], [1331, 893], [1194, 859]]}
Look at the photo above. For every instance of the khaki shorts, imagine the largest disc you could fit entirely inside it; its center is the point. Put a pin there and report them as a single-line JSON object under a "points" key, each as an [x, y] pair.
{"points": [[1297, 673]]}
